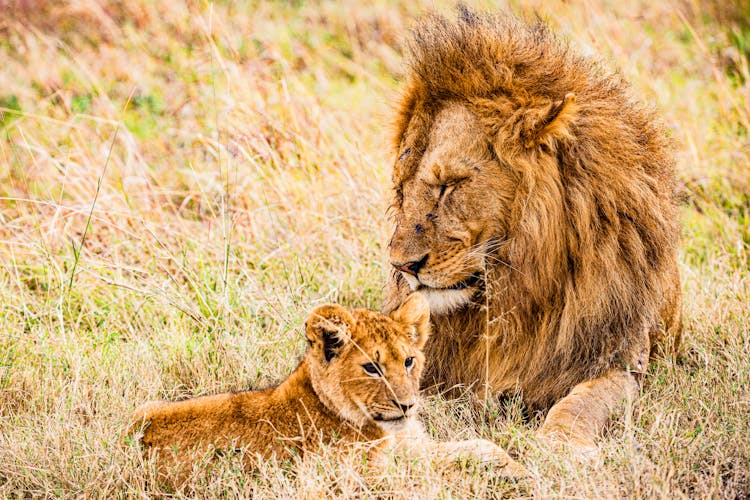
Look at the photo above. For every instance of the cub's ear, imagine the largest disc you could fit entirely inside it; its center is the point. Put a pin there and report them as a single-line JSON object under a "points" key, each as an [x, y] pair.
{"points": [[414, 312], [550, 122], [328, 329]]}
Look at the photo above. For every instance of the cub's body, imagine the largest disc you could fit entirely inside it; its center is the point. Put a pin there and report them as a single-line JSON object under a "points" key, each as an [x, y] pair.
{"points": [[284, 420], [358, 384]]}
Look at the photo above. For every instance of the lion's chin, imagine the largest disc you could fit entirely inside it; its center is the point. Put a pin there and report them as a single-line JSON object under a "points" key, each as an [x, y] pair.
{"points": [[443, 300]]}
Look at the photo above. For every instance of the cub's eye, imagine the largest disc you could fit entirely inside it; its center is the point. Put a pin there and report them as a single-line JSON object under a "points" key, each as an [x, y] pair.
{"points": [[372, 369], [408, 363]]}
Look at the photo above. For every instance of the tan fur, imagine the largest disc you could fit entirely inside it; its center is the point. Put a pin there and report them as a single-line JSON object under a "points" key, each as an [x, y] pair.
{"points": [[536, 169], [329, 398]]}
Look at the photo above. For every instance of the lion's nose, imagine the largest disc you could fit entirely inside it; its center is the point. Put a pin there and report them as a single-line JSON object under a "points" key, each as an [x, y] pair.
{"points": [[411, 267], [403, 407]]}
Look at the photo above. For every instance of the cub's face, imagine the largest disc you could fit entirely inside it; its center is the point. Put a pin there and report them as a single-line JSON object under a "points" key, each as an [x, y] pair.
{"points": [[365, 365], [451, 213]]}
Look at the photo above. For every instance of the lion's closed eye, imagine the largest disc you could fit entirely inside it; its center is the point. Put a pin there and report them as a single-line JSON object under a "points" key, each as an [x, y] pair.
{"points": [[442, 189]]}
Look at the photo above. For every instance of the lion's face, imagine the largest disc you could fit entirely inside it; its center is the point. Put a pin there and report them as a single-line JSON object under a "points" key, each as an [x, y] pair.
{"points": [[451, 213], [365, 365]]}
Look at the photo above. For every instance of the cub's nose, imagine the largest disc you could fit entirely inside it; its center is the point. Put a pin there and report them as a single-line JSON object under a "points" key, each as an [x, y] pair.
{"points": [[403, 407], [411, 267]]}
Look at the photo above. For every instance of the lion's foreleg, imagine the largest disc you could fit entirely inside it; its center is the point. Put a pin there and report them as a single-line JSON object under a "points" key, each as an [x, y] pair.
{"points": [[579, 418]]}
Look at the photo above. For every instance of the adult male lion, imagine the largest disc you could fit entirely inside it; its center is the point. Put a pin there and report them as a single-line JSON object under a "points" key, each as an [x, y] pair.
{"points": [[535, 208]]}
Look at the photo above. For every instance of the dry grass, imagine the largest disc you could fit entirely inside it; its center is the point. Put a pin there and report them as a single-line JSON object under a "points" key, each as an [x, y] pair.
{"points": [[181, 182]]}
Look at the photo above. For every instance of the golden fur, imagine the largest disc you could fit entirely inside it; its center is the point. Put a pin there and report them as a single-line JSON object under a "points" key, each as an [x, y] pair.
{"points": [[535, 199], [330, 398]]}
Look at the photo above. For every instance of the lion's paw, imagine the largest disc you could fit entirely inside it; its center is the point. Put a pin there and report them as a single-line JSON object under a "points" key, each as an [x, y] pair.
{"points": [[581, 448]]}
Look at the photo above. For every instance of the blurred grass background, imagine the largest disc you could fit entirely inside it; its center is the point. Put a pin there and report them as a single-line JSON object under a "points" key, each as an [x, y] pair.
{"points": [[180, 182]]}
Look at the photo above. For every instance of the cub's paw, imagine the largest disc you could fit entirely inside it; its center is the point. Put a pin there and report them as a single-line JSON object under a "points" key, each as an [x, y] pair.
{"points": [[485, 451]]}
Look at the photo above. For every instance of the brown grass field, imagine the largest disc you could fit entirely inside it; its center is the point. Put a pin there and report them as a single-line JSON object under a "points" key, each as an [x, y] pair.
{"points": [[180, 183]]}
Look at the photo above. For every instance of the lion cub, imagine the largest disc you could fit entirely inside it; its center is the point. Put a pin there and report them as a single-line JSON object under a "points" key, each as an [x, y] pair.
{"points": [[358, 382]]}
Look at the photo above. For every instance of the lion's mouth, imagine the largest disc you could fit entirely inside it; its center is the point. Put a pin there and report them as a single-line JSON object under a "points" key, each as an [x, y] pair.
{"points": [[461, 285]]}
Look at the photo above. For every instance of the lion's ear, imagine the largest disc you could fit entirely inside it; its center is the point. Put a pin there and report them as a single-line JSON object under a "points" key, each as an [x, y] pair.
{"points": [[328, 329], [551, 122], [414, 313]]}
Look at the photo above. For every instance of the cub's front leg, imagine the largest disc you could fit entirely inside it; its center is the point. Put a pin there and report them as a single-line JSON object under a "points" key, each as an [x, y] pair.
{"points": [[481, 450], [415, 441]]}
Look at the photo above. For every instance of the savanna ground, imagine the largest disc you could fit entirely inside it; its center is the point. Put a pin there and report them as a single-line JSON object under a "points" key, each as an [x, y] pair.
{"points": [[180, 183]]}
